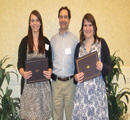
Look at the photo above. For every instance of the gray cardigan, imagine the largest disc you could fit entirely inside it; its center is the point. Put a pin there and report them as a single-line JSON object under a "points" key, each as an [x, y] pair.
{"points": [[105, 59], [22, 56]]}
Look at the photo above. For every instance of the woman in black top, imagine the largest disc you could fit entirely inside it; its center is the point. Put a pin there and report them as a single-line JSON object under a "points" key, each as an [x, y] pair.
{"points": [[90, 97], [35, 103]]}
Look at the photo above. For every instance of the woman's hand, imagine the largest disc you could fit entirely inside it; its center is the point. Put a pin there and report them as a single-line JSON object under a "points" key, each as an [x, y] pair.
{"points": [[27, 74], [99, 65], [47, 74], [79, 77]]}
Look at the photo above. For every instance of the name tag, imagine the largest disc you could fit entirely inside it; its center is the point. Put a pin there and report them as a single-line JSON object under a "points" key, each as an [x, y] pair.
{"points": [[93, 50], [67, 51], [46, 47]]}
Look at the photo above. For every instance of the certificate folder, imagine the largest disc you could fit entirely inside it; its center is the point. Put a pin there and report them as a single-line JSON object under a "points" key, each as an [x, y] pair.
{"points": [[37, 66], [87, 65]]}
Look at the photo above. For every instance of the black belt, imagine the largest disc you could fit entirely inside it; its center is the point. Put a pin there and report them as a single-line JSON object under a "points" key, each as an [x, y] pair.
{"points": [[54, 77]]}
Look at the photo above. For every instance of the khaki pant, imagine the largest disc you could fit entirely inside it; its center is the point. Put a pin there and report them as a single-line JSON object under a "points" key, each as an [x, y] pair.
{"points": [[63, 93]]}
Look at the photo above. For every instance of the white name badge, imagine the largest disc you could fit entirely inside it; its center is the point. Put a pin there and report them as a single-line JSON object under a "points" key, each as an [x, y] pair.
{"points": [[46, 47], [93, 50], [67, 51]]}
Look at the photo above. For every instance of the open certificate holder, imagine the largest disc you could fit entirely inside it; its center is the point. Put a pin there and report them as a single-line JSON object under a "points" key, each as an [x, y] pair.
{"points": [[87, 65], [37, 66]]}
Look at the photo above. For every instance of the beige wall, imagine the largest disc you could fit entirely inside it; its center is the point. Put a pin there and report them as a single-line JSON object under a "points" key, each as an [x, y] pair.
{"points": [[112, 16]]}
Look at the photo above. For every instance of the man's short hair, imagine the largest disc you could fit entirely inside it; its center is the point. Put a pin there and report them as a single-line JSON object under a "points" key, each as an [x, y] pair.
{"points": [[64, 8]]}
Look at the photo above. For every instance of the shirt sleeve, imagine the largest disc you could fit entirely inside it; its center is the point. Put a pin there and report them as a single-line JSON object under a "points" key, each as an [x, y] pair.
{"points": [[49, 53], [105, 58], [22, 53], [75, 57]]}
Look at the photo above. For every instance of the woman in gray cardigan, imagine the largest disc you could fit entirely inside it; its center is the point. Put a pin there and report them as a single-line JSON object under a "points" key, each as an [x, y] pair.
{"points": [[90, 97], [35, 102]]}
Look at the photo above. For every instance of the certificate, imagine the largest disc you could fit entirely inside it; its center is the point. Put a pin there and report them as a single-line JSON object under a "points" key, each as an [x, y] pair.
{"points": [[87, 65], [37, 66]]}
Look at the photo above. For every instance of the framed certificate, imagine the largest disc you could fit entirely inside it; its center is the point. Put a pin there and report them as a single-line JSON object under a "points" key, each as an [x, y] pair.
{"points": [[37, 66], [87, 65]]}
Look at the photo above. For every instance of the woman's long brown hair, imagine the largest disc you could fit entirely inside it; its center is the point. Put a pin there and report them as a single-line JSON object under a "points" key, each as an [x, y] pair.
{"points": [[41, 45]]}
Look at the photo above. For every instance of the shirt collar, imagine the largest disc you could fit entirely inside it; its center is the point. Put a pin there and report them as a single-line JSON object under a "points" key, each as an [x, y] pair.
{"points": [[65, 32]]}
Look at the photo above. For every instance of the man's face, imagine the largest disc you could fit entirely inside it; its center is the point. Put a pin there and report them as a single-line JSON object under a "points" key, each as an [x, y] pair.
{"points": [[64, 20]]}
